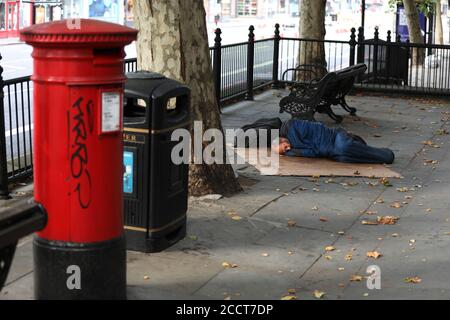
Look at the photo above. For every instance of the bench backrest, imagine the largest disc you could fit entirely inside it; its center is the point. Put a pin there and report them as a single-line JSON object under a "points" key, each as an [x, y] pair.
{"points": [[343, 83]]}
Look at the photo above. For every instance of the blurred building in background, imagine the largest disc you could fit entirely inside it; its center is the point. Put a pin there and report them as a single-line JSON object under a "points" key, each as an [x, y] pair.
{"points": [[18, 14], [226, 9]]}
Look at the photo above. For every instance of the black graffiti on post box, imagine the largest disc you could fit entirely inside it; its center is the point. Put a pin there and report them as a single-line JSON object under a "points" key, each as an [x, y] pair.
{"points": [[79, 158]]}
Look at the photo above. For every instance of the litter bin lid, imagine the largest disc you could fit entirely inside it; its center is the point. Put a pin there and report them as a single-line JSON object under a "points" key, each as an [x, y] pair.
{"points": [[145, 75]]}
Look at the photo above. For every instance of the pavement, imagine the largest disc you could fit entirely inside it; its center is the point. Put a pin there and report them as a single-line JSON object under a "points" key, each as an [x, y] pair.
{"points": [[308, 238]]}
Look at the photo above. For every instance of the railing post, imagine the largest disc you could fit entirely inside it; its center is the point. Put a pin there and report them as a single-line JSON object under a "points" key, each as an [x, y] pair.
{"points": [[276, 56], [360, 58], [375, 54], [4, 191], [388, 56], [217, 65], [250, 63], [352, 44]]}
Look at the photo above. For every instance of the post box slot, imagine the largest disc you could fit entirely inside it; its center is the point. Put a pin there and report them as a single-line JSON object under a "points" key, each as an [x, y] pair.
{"points": [[105, 52]]}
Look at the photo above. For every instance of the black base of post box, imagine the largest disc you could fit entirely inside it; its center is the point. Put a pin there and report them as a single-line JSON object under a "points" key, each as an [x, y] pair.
{"points": [[74, 271], [157, 241]]}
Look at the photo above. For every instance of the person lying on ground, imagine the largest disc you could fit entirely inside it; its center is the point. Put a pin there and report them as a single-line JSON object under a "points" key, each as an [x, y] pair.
{"points": [[313, 139]]}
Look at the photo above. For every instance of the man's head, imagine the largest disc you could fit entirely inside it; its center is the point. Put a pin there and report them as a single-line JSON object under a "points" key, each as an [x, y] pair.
{"points": [[283, 146]]}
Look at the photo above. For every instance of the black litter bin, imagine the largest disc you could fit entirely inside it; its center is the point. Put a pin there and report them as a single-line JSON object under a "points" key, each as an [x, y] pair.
{"points": [[155, 189]]}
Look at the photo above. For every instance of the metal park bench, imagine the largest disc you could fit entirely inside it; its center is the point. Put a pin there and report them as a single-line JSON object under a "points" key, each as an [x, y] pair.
{"points": [[307, 98], [18, 220]]}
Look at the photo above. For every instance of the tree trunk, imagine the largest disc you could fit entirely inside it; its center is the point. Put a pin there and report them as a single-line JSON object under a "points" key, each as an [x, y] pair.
{"points": [[173, 41], [312, 26], [415, 34], [438, 16]]}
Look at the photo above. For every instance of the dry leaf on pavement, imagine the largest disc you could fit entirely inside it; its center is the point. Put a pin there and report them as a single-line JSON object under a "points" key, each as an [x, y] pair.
{"points": [[318, 294], [289, 297], [229, 265], [330, 248], [356, 278], [396, 205], [387, 220], [373, 254], [369, 222], [415, 279]]}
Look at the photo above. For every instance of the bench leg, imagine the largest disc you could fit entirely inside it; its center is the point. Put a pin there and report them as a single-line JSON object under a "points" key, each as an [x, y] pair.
{"points": [[347, 108], [6, 257], [327, 109]]}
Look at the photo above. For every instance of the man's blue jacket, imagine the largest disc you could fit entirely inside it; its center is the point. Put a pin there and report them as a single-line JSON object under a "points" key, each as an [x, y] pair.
{"points": [[313, 139]]}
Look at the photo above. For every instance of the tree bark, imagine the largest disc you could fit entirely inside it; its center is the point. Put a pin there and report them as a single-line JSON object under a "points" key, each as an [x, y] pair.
{"points": [[439, 30], [415, 34], [312, 26], [173, 41]]}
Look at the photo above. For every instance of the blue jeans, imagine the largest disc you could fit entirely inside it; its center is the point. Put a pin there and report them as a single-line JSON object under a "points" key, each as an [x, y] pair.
{"points": [[349, 149]]}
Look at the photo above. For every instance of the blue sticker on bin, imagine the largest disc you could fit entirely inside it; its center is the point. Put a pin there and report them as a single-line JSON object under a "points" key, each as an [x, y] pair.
{"points": [[128, 162]]}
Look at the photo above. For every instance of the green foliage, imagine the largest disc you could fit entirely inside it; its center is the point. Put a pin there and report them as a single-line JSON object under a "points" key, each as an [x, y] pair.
{"points": [[424, 6]]}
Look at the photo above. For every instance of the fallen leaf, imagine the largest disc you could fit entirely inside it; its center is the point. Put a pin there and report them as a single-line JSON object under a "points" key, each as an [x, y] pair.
{"points": [[292, 223], [289, 297], [146, 278], [292, 291], [368, 212], [403, 189], [328, 257], [193, 238], [387, 220], [228, 265], [385, 182], [318, 294], [396, 205], [315, 208], [341, 269], [265, 254], [373, 254], [323, 219], [356, 278], [348, 257], [330, 248], [415, 279], [369, 222], [236, 217]]}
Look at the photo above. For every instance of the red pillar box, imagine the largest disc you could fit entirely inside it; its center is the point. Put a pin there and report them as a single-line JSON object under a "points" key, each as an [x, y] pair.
{"points": [[78, 168]]}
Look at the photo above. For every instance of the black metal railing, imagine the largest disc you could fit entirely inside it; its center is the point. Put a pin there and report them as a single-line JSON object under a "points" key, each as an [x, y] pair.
{"points": [[394, 66], [16, 134], [241, 68]]}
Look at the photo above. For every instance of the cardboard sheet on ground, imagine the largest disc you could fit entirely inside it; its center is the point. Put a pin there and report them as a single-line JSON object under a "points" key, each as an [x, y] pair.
{"points": [[269, 164]]}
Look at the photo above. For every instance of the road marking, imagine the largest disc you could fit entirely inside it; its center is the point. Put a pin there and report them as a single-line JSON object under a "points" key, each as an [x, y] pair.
{"points": [[245, 69], [17, 131], [9, 66]]}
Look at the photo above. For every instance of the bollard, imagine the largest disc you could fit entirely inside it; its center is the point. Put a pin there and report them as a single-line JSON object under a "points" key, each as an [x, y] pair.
{"points": [[78, 157]]}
